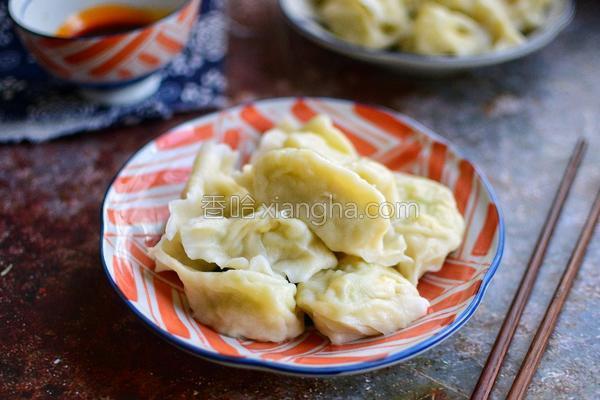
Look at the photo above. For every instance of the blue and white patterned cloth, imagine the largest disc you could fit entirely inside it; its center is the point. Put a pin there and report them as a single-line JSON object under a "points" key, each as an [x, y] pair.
{"points": [[36, 107]]}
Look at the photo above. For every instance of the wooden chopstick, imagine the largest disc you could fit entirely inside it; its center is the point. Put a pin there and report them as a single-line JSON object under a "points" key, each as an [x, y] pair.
{"points": [[507, 331], [540, 340]]}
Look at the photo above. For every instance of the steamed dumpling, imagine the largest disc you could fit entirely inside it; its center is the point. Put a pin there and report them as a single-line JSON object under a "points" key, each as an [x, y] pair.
{"points": [[494, 15], [440, 31], [211, 189], [243, 303], [378, 175], [258, 241], [529, 14], [358, 299], [319, 134], [369, 23], [322, 193], [436, 231]]}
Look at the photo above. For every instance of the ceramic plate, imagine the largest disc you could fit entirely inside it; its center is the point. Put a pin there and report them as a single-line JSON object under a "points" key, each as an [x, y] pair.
{"points": [[135, 211], [301, 15]]}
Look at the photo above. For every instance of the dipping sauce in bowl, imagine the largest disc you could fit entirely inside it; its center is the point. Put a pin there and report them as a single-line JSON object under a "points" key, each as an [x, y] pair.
{"points": [[109, 19]]}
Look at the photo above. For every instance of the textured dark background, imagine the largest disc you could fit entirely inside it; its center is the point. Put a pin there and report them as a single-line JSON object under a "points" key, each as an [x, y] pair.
{"points": [[64, 333]]}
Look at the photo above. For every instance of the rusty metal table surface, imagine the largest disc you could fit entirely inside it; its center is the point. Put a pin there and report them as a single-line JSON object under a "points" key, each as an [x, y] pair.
{"points": [[66, 334]]}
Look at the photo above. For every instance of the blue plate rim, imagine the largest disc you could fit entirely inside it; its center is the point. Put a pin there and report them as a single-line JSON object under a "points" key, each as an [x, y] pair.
{"points": [[273, 366]]}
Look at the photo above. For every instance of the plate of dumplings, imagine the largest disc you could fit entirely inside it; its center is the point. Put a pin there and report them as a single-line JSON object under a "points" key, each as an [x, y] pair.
{"points": [[430, 37], [307, 236]]}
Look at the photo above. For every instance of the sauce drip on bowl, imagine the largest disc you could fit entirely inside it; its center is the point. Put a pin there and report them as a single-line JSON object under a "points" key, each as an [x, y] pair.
{"points": [[110, 18]]}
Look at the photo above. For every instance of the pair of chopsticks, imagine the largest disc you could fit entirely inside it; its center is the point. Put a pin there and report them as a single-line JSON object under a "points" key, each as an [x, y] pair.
{"points": [[509, 326]]}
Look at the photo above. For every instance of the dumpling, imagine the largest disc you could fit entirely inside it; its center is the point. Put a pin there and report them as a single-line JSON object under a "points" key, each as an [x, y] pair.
{"points": [[358, 299], [318, 134], [258, 241], [493, 15], [384, 180], [211, 189], [529, 14], [243, 303], [503, 19], [440, 31], [435, 231], [323, 195], [377, 175], [434, 27], [170, 255], [369, 23]]}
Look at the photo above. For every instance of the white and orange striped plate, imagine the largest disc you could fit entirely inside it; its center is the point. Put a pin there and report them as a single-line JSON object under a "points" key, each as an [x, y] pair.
{"points": [[135, 211]]}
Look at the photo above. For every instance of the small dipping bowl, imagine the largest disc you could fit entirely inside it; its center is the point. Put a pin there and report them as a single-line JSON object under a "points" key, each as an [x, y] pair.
{"points": [[114, 68]]}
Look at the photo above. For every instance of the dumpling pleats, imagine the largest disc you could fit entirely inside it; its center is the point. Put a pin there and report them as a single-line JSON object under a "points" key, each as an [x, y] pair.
{"points": [[242, 303], [435, 230], [335, 202], [285, 245], [359, 299]]}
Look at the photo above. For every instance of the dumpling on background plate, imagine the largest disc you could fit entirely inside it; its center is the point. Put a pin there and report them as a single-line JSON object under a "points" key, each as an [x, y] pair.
{"points": [[259, 240], [369, 23], [243, 303], [322, 194], [377, 175], [494, 15], [432, 27], [441, 31], [211, 188], [529, 14], [500, 20], [434, 232], [359, 299]]}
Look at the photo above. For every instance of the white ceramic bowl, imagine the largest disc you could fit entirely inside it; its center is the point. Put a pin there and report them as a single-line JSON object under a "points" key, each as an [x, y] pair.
{"points": [[301, 15]]}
